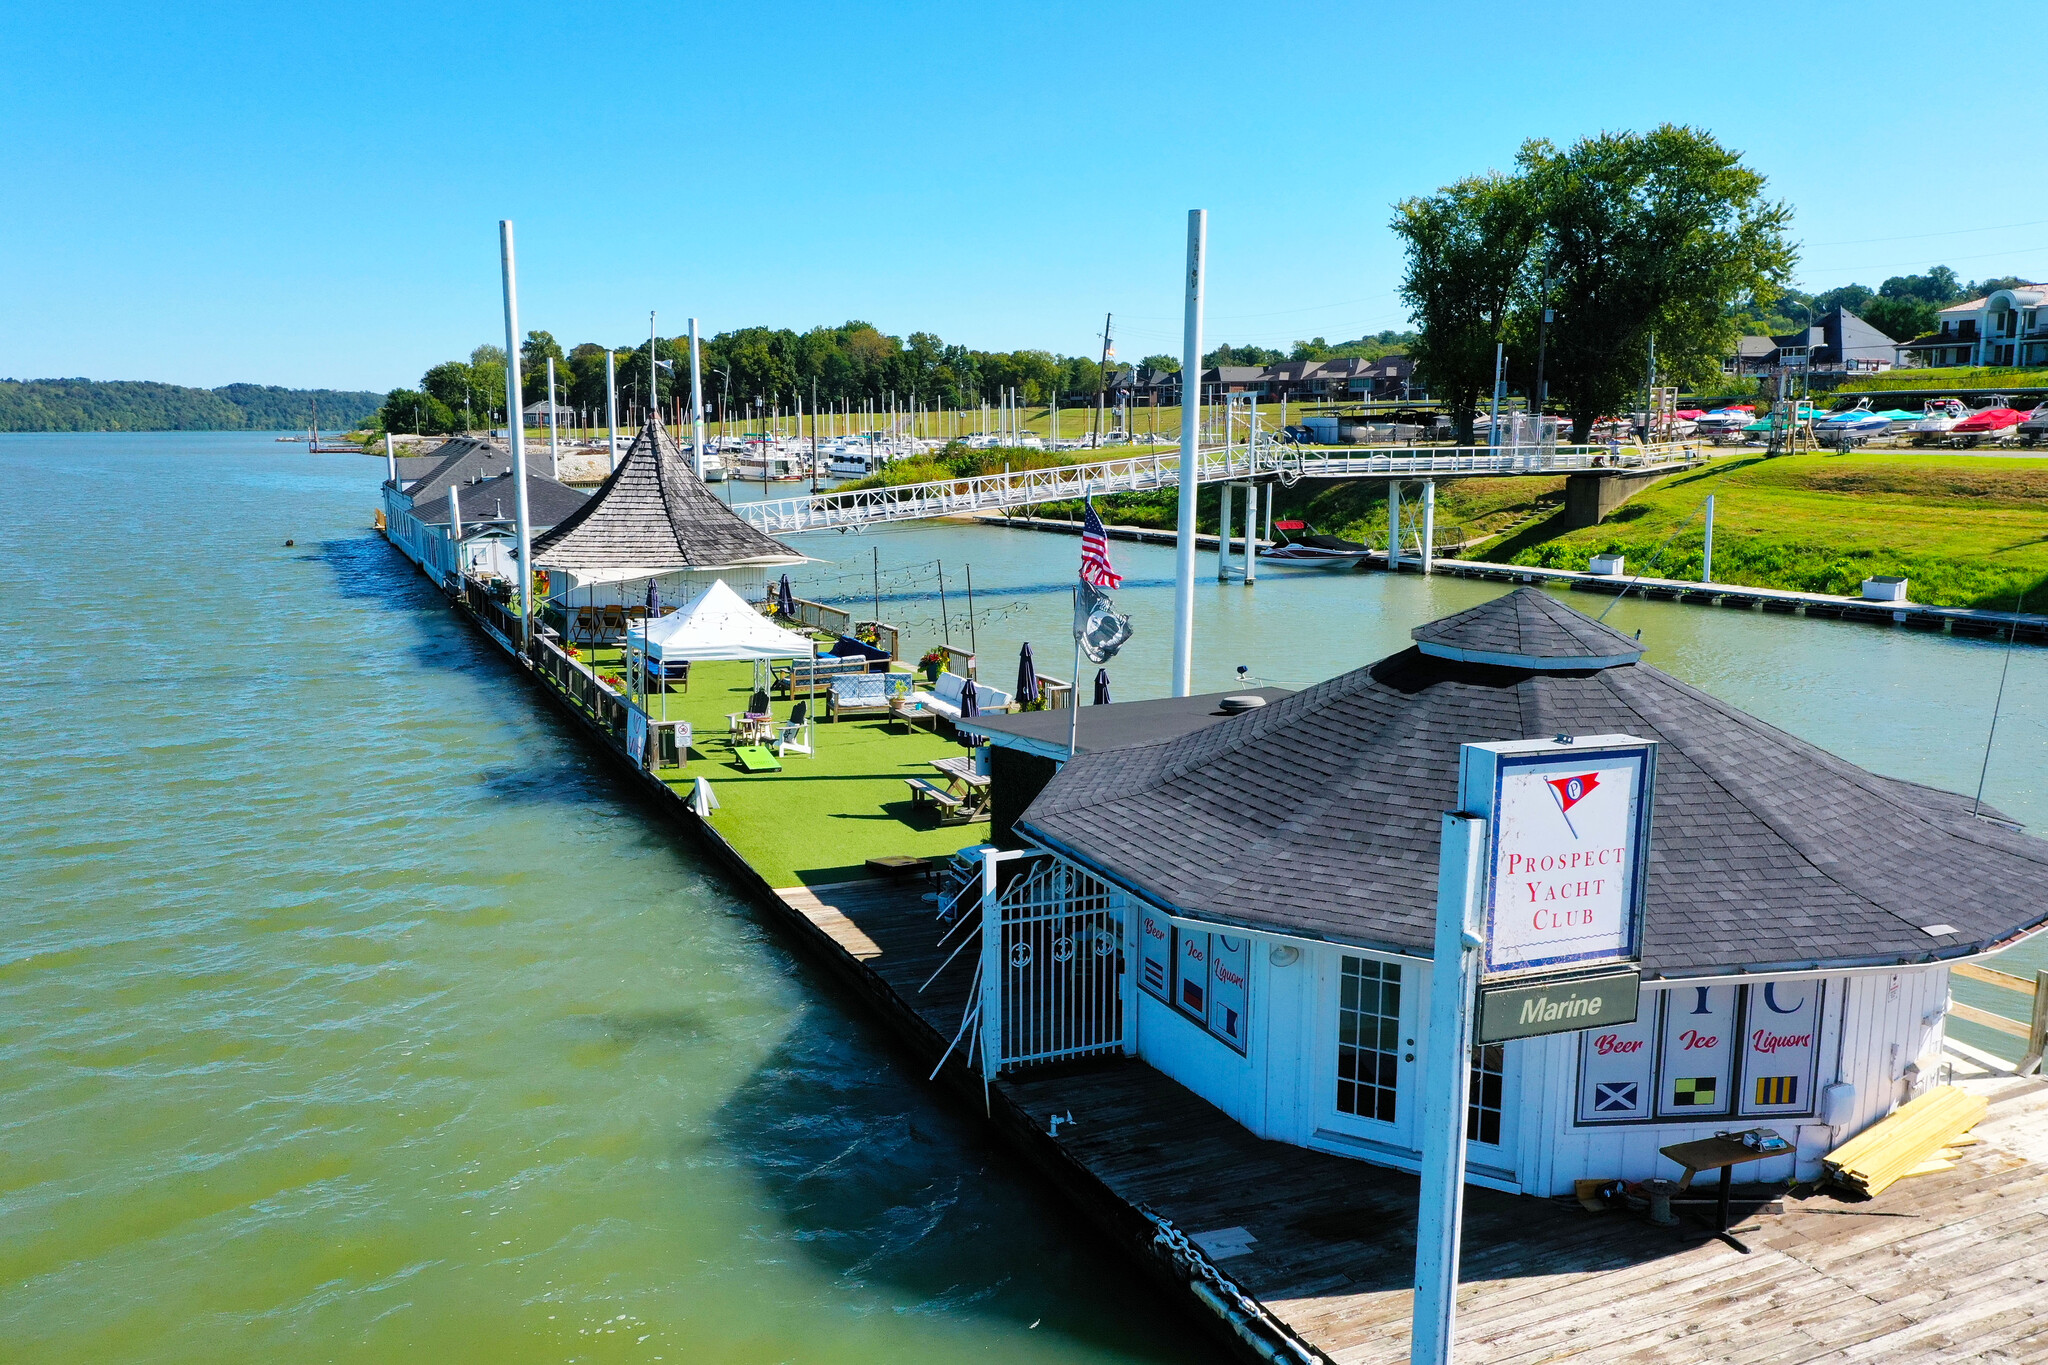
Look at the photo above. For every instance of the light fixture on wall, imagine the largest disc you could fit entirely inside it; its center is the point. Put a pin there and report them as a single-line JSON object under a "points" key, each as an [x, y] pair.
{"points": [[1285, 955]]}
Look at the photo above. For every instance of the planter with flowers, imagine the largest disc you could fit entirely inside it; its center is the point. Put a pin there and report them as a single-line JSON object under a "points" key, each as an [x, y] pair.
{"points": [[933, 663]]}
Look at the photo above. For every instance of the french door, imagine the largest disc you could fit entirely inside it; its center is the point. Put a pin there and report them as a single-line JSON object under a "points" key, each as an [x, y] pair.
{"points": [[1370, 1083]]}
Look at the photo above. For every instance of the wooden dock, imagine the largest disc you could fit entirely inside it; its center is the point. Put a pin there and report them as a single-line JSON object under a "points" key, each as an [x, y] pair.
{"points": [[1285, 1254], [1942, 1267]]}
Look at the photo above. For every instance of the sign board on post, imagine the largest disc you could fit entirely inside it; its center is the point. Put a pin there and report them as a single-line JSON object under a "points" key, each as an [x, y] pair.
{"points": [[1540, 917]]}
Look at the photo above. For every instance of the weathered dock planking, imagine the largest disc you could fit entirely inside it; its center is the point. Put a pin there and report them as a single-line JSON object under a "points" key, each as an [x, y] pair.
{"points": [[1944, 1266], [1312, 1255]]}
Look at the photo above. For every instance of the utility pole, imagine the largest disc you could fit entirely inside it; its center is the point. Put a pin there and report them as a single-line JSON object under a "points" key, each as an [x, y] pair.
{"points": [[1542, 336], [1190, 456], [653, 374]]}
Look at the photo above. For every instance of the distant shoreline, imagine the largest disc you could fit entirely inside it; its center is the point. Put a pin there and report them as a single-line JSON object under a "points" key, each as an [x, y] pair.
{"points": [[53, 406]]}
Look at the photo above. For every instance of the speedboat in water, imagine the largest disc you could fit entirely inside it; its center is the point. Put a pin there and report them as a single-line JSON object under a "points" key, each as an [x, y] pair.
{"points": [[1300, 544]]}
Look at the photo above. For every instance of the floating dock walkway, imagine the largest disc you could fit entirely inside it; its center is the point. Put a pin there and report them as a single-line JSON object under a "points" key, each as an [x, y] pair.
{"points": [[1289, 1255]]}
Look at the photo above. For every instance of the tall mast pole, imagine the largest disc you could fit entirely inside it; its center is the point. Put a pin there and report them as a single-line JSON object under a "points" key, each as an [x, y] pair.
{"points": [[611, 404], [696, 403], [515, 409], [653, 374], [1190, 455], [1102, 376], [554, 427]]}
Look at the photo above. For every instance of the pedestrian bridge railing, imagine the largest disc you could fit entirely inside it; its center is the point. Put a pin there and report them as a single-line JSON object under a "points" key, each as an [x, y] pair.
{"points": [[1161, 469]]}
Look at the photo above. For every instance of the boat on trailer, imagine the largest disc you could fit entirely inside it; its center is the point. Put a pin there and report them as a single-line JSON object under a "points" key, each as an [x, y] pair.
{"points": [[1300, 543]]}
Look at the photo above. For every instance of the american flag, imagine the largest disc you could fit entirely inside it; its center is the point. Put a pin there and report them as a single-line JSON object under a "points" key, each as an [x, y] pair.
{"points": [[1095, 566]]}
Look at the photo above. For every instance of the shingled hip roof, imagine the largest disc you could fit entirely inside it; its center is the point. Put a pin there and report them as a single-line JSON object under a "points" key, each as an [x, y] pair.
{"points": [[1318, 815], [654, 515]]}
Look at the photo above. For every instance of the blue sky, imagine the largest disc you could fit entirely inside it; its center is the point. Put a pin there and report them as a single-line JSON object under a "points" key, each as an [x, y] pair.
{"points": [[309, 195]]}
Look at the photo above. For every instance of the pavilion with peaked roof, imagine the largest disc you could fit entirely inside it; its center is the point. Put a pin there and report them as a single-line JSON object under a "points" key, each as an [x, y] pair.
{"points": [[654, 520], [1280, 873]]}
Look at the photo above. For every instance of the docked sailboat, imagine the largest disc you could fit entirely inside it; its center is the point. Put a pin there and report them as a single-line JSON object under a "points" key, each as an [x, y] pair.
{"points": [[1300, 543]]}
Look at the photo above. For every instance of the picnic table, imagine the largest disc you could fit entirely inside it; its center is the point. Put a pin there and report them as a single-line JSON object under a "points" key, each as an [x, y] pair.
{"points": [[964, 798]]}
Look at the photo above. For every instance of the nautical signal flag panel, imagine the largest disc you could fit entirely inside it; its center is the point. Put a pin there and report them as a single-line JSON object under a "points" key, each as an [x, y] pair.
{"points": [[1205, 976], [1567, 850], [1706, 1052]]}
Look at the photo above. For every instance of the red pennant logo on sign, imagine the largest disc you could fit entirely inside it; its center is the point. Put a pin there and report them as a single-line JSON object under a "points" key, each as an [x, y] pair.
{"points": [[1572, 790]]}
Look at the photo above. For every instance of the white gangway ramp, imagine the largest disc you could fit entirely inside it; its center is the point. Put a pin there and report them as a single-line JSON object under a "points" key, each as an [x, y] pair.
{"points": [[1053, 981], [1161, 469]]}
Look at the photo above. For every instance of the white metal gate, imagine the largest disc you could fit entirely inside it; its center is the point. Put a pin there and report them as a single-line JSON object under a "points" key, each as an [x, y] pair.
{"points": [[1053, 977]]}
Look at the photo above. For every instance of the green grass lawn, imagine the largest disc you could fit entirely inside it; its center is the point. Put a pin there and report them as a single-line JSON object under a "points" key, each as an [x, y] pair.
{"points": [[822, 817], [1967, 530]]}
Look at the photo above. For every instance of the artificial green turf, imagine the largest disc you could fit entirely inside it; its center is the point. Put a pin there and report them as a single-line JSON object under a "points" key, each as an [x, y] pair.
{"points": [[823, 816]]}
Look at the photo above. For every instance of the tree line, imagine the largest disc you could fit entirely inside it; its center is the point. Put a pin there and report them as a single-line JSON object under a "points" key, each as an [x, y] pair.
{"points": [[756, 369], [748, 370], [144, 405]]}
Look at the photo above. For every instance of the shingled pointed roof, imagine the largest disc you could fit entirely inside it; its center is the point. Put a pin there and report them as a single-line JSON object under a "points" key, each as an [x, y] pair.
{"points": [[1527, 629], [1318, 816], [655, 515]]}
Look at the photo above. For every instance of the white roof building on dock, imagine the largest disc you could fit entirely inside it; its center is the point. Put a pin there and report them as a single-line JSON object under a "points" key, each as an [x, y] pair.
{"points": [[1275, 874], [654, 519]]}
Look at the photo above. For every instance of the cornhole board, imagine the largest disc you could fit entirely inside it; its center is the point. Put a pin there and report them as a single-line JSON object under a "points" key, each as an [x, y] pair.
{"points": [[757, 758]]}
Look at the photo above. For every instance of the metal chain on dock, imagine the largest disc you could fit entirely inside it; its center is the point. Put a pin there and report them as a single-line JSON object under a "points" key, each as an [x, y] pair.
{"points": [[1254, 1325]]}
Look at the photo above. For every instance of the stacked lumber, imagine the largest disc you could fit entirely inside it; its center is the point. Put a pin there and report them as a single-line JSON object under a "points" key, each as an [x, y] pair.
{"points": [[1914, 1140]]}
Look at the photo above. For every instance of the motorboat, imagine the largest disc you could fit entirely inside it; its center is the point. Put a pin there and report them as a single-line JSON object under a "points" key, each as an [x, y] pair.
{"points": [[1299, 543], [1855, 425], [1723, 420], [1939, 417], [1987, 422], [2035, 429]]}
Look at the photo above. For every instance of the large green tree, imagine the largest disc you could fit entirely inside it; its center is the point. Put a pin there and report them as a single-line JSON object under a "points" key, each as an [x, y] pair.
{"points": [[1655, 234], [1468, 269]]}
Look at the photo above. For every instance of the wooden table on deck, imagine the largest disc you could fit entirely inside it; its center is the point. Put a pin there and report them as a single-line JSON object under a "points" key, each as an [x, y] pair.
{"points": [[1705, 1155]]}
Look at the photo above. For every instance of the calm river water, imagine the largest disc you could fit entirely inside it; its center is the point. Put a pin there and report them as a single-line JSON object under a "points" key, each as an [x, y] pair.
{"points": [[345, 1013]]}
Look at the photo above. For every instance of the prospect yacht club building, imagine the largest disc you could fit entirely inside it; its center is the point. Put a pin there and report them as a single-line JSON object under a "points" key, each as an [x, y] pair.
{"points": [[1272, 877], [654, 520]]}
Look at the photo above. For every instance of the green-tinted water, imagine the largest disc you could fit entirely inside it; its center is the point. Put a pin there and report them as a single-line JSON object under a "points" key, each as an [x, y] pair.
{"points": [[346, 1013]]}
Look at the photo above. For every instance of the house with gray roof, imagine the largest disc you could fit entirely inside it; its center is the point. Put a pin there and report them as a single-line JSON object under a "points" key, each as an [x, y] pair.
{"points": [[654, 520], [1275, 873]]}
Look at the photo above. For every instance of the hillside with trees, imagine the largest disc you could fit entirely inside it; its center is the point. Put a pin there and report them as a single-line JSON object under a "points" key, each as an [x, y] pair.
{"points": [[141, 405]]}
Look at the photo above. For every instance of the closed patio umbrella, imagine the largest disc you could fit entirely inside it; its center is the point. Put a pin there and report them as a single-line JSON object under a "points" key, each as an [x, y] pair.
{"points": [[653, 599], [1027, 676], [785, 600], [970, 706], [1102, 687]]}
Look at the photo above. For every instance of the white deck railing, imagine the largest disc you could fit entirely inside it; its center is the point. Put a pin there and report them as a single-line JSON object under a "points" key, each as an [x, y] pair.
{"points": [[1161, 469]]}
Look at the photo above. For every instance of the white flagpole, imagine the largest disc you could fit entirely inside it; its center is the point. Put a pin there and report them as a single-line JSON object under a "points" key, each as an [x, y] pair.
{"points": [[515, 412], [611, 404], [1190, 454], [696, 404]]}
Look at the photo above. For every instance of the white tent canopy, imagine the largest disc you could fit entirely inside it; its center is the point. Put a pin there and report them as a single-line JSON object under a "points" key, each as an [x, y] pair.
{"points": [[716, 624]]}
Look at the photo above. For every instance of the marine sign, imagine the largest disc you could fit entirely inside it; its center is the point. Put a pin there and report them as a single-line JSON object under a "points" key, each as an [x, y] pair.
{"points": [[1532, 1009]]}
